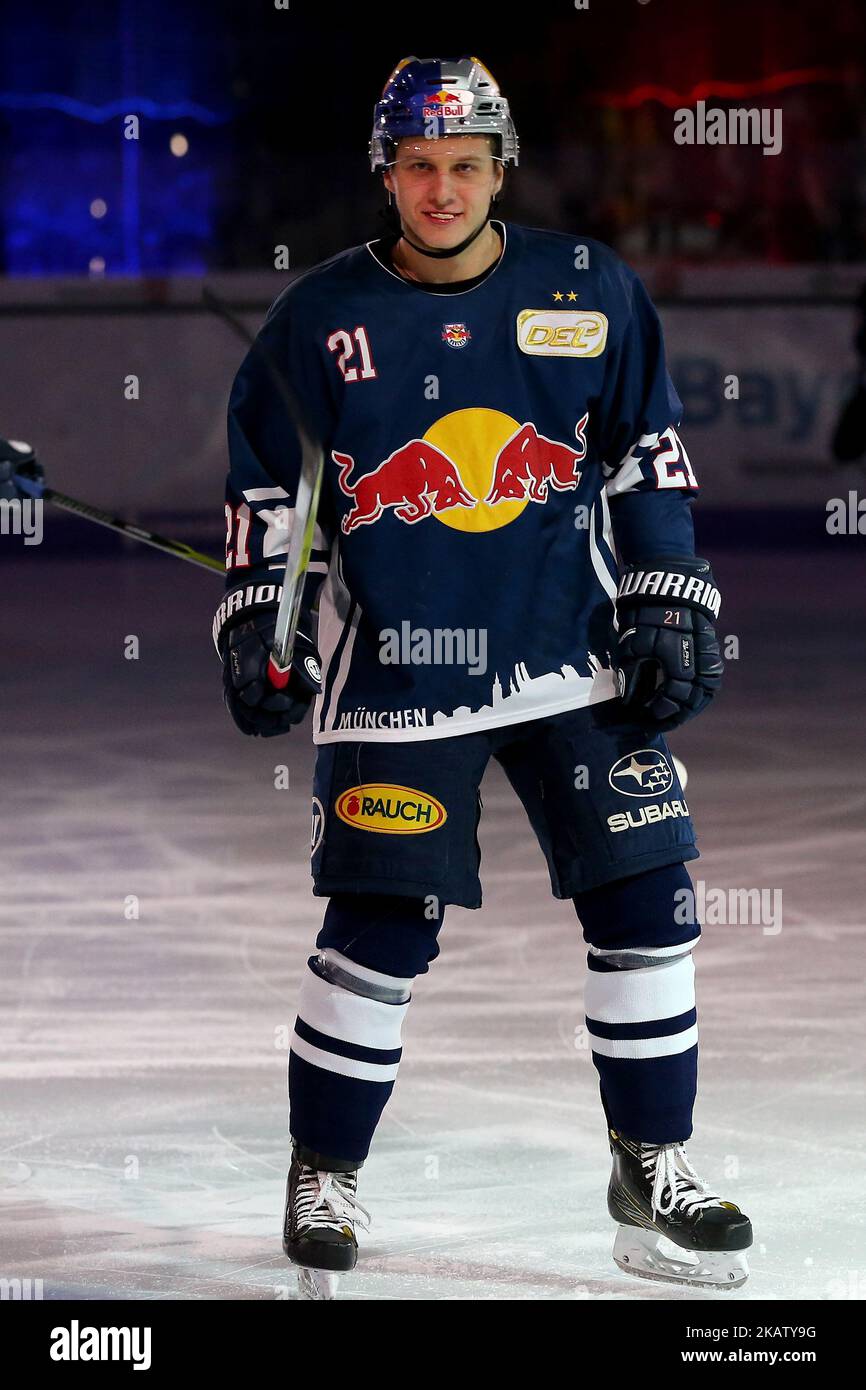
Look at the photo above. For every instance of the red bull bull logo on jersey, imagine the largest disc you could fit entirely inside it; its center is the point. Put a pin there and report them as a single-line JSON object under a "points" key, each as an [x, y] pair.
{"points": [[415, 480], [529, 462], [421, 479]]}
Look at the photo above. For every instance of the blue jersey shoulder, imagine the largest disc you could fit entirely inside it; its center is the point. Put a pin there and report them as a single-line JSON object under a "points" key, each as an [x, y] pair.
{"points": [[321, 281], [603, 271]]}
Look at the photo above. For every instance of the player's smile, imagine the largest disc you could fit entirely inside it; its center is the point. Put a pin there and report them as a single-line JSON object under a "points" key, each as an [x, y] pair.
{"points": [[435, 217]]}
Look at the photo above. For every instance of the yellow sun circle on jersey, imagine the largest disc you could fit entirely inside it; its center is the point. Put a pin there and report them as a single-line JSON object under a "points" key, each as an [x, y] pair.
{"points": [[472, 438]]}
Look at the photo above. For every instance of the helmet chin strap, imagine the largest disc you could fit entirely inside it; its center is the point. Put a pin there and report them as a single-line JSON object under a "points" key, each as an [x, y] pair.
{"points": [[439, 255]]}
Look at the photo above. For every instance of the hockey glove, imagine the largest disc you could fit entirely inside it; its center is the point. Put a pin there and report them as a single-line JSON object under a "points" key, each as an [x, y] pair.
{"points": [[14, 456], [668, 662], [256, 706]]}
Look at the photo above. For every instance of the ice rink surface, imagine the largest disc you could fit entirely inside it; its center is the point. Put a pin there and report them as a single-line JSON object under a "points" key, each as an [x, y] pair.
{"points": [[143, 1149]]}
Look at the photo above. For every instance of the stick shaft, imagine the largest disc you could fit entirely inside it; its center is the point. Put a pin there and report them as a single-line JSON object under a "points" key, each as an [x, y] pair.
{"points": [[297, 560], [306, 500], [179, 549]]}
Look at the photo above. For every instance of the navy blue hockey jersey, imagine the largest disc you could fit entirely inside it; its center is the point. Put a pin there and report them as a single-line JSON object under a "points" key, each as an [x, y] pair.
{"points": [[475, 444]]}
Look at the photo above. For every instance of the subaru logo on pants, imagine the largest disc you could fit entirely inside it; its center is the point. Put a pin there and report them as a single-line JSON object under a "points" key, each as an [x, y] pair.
{"points": [[644, 773]]}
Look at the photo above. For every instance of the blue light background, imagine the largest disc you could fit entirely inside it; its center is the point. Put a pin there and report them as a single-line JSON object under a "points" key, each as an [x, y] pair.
{"points": [[69, 74]]}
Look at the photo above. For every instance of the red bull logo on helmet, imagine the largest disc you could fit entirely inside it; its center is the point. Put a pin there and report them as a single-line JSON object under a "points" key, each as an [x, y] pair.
{"points": [[444, 103], [503, 466]]}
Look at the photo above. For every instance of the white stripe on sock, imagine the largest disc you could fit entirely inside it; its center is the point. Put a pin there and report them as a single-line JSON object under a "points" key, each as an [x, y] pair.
{"points": [[667, 1046], [640, 996], [350, 1017], [344, 1066]]}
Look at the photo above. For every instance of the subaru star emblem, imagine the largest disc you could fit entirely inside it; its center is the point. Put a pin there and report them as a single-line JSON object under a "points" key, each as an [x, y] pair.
{"points": [[645, 773]]}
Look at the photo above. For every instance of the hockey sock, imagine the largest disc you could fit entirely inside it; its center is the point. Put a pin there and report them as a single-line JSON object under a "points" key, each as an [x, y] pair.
{"points": [[347, 1043], [640, 1002]]}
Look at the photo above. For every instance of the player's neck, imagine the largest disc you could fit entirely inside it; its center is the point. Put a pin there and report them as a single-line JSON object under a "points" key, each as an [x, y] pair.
{"points": [[480, 256]]}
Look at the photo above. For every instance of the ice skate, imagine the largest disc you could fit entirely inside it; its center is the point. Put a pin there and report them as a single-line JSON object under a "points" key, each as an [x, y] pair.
{"points": [[319, 1225], [670, 1226]]}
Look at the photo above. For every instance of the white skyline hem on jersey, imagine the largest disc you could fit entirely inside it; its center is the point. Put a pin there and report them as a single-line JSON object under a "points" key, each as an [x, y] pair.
{"points": [[582, 691]]}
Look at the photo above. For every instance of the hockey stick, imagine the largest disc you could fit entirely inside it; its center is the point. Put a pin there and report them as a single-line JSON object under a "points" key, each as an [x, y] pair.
{"points": [[306, 508], [306, 502], [31, 484]]}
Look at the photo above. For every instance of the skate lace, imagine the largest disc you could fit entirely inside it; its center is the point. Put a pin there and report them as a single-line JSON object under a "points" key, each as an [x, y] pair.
{"points": [[673, 1171], [329, 1199]]}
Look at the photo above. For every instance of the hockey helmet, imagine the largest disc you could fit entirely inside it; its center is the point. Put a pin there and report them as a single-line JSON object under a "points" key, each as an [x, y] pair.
{"points": [[433, 97]]}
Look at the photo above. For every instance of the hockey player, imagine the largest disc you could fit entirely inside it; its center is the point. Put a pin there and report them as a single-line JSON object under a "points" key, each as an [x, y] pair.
{"points": [[504, 567]]}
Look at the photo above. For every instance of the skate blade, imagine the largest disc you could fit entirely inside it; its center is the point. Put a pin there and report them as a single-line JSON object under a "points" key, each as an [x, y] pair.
{"points": [[648, 1255], [318, 1284]]}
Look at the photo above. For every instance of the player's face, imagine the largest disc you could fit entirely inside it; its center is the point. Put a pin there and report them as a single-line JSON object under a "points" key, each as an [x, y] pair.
{"points": [[443, 187]]}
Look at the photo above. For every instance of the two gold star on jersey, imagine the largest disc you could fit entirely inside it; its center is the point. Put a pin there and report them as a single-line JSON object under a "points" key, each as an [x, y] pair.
{"points": [[558, 295]]}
